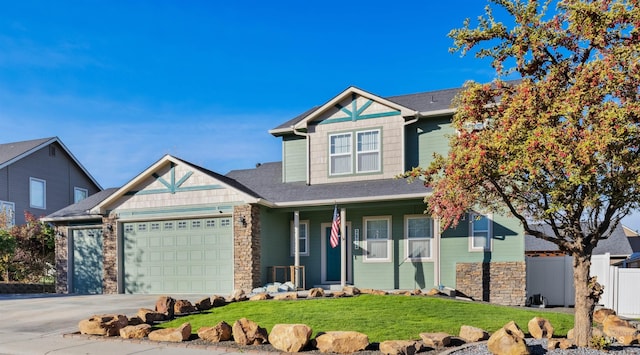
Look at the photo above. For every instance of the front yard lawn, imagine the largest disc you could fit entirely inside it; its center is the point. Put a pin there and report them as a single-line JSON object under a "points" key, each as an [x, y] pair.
{"points": [[381, 318]]}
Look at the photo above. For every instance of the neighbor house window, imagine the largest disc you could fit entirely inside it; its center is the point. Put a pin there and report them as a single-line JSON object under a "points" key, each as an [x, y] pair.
{"points": [[37, 193], [377, 239], [368, 151], [303, 237], [7, 209], [418, 235], [340, 154], [79, 194], [479, 232]]}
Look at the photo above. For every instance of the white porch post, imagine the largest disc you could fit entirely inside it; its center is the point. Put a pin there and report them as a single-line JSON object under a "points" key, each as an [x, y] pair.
{"points": [[343, 247], [296, 247]]}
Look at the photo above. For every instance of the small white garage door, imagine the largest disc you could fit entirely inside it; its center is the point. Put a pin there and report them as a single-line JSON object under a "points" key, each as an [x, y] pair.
{"points": [[179, 256]]}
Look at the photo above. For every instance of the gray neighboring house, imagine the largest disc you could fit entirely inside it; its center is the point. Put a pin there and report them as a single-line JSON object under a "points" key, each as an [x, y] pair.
{"points": [[41, 176]]}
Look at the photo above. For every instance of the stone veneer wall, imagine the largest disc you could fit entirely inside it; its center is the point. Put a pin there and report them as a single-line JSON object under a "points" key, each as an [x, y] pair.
{"points": [[110, 255], [14, 287], [62, 259], [246, 248], [496, 282]]}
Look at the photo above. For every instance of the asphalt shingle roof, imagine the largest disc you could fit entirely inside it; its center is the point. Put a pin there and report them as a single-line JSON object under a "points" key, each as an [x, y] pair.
{"points": [[616, 244], [82, 208], [10, 151]]}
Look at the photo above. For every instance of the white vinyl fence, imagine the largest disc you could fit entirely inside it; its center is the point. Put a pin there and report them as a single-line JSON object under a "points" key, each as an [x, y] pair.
{"points": [[552, 277]]}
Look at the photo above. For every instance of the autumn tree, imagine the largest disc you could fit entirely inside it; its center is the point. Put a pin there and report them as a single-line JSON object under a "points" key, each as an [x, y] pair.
{"points": [[35, 250], [560, 145], [7, 245]]}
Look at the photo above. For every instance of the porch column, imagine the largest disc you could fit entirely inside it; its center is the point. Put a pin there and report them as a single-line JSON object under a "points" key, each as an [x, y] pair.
{"points": [[296, 247], [343, 247]]}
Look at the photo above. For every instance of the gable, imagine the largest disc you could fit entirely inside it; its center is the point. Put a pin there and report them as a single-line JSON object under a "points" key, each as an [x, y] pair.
{"points": [[356, 108]]}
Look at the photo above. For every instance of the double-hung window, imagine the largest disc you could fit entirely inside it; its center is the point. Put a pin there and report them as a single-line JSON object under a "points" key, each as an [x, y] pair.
{"points": [[368, 151], [340, 153], [303, 236], [419, 236], [480, 232], [377, 239], [363, 152], [37, 193]]}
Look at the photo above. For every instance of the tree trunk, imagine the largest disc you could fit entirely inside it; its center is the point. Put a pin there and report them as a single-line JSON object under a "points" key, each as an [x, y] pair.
{"points": [[584, 301]]}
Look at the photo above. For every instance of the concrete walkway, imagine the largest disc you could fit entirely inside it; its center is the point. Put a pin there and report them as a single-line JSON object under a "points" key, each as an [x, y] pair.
{"points": [[42, 324]]}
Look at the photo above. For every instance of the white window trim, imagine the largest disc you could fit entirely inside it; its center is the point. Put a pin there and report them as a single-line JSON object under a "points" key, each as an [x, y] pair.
{"points": [[44, 193], [350, 154], [76, 189], [407, 239], [366, 258], [306, 239], [9, 208], [489, 247], [357, 152]]}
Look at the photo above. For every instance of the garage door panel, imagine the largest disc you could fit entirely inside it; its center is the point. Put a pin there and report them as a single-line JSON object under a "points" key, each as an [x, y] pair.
{"points": [[192, 256], [87, 261]]}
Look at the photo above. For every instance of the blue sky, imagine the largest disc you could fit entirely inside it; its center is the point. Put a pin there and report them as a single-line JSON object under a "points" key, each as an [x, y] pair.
{"points": [[122, 83]]}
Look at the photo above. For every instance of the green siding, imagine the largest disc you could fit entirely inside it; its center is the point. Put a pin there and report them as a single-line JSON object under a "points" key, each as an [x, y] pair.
{"points": [[294, 167], [425, 137]]}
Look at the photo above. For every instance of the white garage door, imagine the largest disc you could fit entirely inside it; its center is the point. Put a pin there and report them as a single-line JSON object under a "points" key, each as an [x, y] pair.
{"points": [[179, 256]]}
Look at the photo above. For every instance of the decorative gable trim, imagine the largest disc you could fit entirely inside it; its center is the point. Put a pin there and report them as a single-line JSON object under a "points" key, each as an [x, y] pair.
{"points": [[173, 186], [356, 113]]}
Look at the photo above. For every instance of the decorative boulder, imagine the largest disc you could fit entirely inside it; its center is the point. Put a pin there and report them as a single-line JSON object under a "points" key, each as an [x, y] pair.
{"points": [[600, 314], [595, 332], [625, 335], [175, 335], [472, 334], [563, 344], [237, 296], [135, 331], [135, 320], [351, 290], [433, 292], [540, 328], [105, 324], [246, 332], [400, 347], [165, 305], [290, 338], [218, 301], [436, 340], [184, 307], [221, 332], [204, 304], [417, 292], [286, 296], [338, 294], [341, 342], [260, 297], [150, 316], [316, 292], [508, 340]]}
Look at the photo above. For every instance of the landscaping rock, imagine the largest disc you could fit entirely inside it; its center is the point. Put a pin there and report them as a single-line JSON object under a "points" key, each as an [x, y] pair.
{"points": [[433, 292], [316, 292], [104, 324], [562, 343], [291, 338], [351, 290], [473, 334], [237, 296], [135, 331], [338, 294], [400, 347], [165, 305], [614, 321], [286, 296], [540, 328], [150, 316], [595, 332], [436, 340], [417, 292], [220, 332], [625, 335], [135, 320], [204, 304], [508, 340], [175, 335], [600, 314], [246, 332], [184, 307], [218, 301], [341, 342], [260, 297]]}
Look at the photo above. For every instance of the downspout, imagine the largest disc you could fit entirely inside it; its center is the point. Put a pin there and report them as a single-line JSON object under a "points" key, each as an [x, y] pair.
{"points": [[306, 136]]}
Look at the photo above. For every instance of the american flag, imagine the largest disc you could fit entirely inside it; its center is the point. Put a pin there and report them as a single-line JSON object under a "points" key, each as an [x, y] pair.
{"points": [[335, 228]]}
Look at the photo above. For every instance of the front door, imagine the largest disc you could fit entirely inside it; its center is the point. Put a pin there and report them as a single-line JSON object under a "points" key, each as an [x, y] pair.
{"points": [[332, 256]]}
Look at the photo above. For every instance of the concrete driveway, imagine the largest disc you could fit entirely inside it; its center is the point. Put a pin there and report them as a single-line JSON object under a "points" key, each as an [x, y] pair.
{"points": [[35, 324]]}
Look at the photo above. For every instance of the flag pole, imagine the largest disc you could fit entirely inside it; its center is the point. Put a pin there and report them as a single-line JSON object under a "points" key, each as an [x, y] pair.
{"points": [[343, 247]]}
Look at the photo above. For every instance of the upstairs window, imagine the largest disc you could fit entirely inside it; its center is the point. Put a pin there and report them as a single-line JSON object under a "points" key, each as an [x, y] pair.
{"points": [[340, 154], [366, 146], [7, 209], [79, 194], [479, 232], [37, 193]]}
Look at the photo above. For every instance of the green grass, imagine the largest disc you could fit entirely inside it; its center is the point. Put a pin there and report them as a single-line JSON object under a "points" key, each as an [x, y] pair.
{"points": [[379, 317]]}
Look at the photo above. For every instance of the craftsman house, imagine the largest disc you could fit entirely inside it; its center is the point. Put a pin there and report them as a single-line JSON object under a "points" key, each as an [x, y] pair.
{"points": [[40, 176], [179, 227]]}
